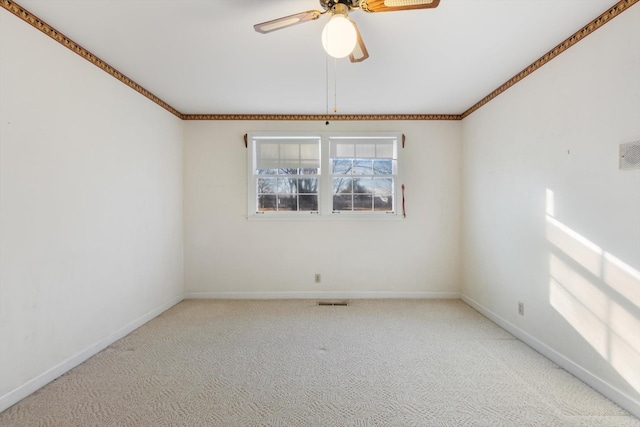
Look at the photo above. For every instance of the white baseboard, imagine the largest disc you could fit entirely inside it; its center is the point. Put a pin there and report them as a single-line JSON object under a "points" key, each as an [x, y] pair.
{"points": [[14, 396], [625, 401], [323, 295]]}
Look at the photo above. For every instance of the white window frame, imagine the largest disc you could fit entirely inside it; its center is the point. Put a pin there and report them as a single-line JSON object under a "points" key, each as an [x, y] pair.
{"points": [[325, 188]]}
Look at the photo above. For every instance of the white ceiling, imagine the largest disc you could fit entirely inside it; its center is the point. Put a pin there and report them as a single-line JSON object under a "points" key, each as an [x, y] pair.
{"points": [[203, 56]]}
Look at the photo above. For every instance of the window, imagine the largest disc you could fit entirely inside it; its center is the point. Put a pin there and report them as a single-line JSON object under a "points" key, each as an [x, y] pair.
{"points": [[323, 175], [363, 172], [286, 174]]}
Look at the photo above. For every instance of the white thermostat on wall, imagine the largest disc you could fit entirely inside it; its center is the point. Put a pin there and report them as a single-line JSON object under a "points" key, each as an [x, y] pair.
{"points": [[630, 155]]}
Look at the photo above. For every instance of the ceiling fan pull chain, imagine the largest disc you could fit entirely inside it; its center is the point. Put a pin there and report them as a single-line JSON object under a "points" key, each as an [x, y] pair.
{"points": [[335, 87], [327, 82]]}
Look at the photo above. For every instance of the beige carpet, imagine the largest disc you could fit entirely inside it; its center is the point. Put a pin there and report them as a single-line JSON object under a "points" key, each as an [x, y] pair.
{"points": [[293, 363]]}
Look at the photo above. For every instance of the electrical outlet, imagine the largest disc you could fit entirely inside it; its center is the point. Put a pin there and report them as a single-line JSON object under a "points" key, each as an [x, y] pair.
{"points": [[520, 308], [317, 278]]}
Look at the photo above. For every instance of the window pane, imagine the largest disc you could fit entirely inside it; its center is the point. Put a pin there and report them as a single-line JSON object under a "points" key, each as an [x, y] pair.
{"points": [[308, 185], [385, 150], [289, 152], [383, 203], [266, 171], [362, 167], [310, 153], [363, 185], [267, 155], [287, 203], [308, 202], [306, 171], [383, 167], [383, 186], [267, 185], [342, 202], [266, 203], [362, 202], [287, 185], [342, 185], [365, 151], [288, 171], [341, 167], [343, 150]]}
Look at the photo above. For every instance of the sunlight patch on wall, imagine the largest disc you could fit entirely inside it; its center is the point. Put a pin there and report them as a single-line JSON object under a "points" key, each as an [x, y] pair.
{"points": [[581, 250], [621, 277], [579, 315], [597, 294]]}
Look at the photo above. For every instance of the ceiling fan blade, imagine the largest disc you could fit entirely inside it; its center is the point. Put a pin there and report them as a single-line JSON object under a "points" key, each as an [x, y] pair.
{"points": [[394, 5], [287, 21], [359, 53]]}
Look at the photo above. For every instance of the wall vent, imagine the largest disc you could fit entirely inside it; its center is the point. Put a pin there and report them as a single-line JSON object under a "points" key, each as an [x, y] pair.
{"points": [[333, 303], [630, 155]]}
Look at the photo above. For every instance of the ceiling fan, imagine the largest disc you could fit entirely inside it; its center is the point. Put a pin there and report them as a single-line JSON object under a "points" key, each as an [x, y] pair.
{"points": [[341, 36]]}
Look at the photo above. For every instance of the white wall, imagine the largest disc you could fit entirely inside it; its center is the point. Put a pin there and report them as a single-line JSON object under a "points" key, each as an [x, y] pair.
{"points": [[90, 209], [228, 256], [549, 220]]}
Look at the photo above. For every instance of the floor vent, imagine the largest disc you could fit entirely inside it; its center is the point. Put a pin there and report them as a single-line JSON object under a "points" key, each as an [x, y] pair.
{"points": [[334, 303]]}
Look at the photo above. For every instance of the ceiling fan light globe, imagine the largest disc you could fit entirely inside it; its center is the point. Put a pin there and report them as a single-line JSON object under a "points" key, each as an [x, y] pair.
{"points": [[339, 36]]}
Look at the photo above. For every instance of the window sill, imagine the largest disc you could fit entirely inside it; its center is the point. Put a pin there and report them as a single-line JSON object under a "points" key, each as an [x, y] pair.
{"points": [[331, 217]]}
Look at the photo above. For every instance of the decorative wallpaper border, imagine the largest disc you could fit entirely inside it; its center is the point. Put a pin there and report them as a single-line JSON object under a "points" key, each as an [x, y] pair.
{"points": [[45, 28], [320, 117], [611, 13]]}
